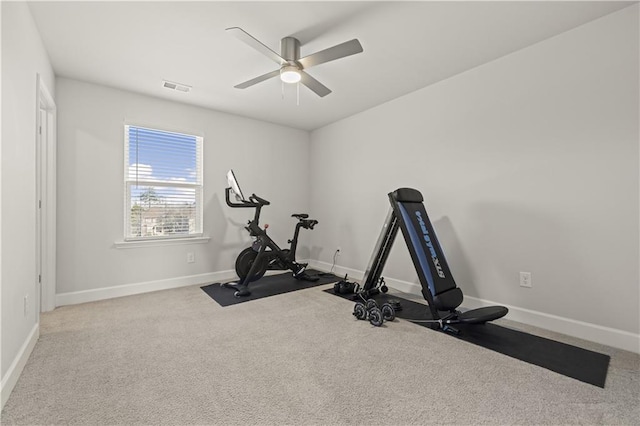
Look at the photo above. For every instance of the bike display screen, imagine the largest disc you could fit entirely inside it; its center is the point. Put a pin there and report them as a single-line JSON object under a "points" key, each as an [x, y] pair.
{"points": [[233, 184]]}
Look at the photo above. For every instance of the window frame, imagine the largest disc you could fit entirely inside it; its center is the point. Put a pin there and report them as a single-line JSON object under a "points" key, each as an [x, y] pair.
{"points": [[198, 187]]}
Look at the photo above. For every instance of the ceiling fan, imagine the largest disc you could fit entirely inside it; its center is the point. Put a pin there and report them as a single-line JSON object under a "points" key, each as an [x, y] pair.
{"points": [[292, 66]]}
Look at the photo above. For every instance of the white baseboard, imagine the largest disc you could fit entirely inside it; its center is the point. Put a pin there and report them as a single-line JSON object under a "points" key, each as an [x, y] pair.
{"points": [[84, 296], [13, 374], [583, 330], [75, 297], [337, 270]]}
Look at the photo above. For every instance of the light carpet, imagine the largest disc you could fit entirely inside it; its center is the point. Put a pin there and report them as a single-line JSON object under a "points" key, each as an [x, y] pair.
{"points": [[177, 357]]}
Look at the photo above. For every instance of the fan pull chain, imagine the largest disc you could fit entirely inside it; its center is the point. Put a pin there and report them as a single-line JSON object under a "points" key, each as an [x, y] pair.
{"points": [[282, 85]]}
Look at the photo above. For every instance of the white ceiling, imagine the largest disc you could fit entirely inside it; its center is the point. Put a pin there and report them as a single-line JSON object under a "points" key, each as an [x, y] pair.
{"points": [[407, 46]]}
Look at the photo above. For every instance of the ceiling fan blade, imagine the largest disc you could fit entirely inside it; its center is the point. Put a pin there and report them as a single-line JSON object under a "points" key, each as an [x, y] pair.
{"points": [[338, 51], [244, 36], [258, 79], [313, 84]]}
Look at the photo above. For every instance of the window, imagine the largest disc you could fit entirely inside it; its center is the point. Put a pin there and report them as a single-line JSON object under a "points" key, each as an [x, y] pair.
{"points": [[163, 184]]}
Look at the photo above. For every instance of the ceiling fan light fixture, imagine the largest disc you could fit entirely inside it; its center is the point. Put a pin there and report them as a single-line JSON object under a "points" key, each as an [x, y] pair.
{"points": [[290, 74]]}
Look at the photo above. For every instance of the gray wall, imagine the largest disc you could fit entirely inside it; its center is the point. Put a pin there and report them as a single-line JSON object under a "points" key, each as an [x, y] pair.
{"points": [[527, 163], [23, 57], [90, 185]]}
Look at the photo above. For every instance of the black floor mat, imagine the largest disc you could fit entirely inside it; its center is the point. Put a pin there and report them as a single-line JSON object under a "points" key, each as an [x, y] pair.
{"points": [[571, 361], [267, 286]]}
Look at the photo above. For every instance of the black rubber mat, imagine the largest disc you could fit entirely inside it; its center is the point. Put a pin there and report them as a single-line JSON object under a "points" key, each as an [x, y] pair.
{"points": [[571, 361], [266, 286]]}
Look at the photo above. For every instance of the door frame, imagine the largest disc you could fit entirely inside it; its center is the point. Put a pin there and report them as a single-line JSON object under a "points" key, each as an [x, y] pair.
{"points": [[45, 197]]}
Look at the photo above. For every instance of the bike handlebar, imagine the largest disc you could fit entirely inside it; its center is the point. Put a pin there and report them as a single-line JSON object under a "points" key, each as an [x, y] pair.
{"points": [[308, 223], [259, 200]]}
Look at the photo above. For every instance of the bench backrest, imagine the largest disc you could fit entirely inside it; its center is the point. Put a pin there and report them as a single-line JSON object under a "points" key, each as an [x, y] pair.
{"points": [[438, 285]]}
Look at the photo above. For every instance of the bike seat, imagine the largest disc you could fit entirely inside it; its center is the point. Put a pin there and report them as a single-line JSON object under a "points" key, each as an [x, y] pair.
{"points": [[300, 215]]}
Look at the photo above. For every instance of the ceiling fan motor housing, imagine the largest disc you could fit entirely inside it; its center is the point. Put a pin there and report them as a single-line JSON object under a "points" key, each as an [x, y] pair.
{"points": [[290, 49]]}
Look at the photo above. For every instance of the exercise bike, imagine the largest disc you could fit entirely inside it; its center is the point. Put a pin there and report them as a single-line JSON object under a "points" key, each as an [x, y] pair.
{"points": [[264, 254]]}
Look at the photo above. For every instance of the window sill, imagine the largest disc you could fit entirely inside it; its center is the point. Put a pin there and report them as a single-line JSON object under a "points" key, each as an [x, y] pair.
{"points": [[160, 242]]}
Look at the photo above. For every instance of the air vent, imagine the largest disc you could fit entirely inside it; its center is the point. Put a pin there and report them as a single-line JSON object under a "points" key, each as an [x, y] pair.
{"points": [[176, 86]]}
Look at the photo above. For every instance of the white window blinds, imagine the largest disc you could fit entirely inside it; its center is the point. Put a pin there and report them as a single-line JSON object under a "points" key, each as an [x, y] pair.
{"points": [[163, 184]]}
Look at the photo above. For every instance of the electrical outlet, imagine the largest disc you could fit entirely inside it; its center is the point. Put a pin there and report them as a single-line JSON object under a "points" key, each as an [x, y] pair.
{"points": [[338, 251], [525, 279], [191, 257], [26, 304]]}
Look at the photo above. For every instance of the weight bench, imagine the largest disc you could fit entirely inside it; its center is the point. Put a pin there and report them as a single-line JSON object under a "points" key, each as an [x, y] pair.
{"points": [[439, 289]]}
